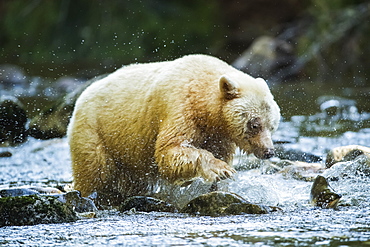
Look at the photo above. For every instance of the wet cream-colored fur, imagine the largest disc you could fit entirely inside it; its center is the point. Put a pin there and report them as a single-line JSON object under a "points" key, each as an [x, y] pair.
{"points": [[175, 120]]}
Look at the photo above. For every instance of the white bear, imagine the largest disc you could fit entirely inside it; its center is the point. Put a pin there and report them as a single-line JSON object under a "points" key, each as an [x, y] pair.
{"points": [[175, 120]]}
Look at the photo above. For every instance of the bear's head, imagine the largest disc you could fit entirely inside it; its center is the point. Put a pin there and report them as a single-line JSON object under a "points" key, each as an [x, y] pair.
{"points": [[250, 113]]}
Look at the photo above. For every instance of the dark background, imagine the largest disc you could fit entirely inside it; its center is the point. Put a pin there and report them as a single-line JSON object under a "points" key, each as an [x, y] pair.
{"points": [[84, 38]]}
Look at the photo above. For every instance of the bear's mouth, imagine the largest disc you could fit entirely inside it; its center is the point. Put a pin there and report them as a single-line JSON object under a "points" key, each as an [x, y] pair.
{"points": [[264, 154]]}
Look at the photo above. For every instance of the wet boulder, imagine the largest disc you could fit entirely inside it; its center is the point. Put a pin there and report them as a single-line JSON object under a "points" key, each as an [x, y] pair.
{"points": [[295, 155], [52, 122], [337, 115], [12, 192], [11, 77], [34, 209], [5, 154], [220, 203], [77, 202], [270, 58], [146, 204], [359, 166], [345, 153], [13, 119], [72, 199]]}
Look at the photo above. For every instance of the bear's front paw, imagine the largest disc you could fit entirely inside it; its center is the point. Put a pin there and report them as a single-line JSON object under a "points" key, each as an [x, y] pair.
{"points": [[217, 170]]}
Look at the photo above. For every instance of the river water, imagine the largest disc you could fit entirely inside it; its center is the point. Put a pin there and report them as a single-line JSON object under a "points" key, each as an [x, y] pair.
{"points": [[47, 163]]}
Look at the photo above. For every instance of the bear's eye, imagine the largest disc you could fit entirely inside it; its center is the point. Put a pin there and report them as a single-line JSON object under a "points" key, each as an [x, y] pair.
{"points": [[254, 125]]}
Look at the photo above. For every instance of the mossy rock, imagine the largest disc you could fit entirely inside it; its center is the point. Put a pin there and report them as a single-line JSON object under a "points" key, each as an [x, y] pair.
{"points": [[220, 203], [34, 209], [247, 208]]}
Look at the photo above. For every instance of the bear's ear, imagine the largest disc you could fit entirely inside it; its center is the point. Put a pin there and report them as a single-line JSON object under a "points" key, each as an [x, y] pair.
{"points": [[229, 88]]}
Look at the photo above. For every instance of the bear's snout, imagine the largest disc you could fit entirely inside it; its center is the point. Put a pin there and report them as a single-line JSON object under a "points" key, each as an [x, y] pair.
{"points": [[268, 153], [265, 153]]}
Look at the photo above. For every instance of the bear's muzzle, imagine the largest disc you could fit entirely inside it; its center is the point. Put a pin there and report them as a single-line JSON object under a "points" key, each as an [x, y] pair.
{"points": [[268, 153]]}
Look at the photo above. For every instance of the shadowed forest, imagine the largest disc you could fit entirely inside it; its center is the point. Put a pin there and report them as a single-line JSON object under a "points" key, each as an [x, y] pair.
{"points": [[309, 39]]}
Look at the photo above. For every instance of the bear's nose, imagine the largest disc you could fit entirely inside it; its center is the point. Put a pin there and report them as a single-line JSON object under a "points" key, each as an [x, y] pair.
{"points": [[268, 153]]}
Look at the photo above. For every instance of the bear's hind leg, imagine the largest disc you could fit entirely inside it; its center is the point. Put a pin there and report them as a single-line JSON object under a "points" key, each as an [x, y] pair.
{"points": [[91, 165]]}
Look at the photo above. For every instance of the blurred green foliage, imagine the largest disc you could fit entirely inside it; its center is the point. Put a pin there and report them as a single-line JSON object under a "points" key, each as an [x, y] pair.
{"points": [[65, 36], [106, 32], [335, 43]]}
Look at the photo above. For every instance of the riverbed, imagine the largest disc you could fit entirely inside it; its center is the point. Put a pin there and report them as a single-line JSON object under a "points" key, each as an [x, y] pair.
{"points": [[47, 163]]}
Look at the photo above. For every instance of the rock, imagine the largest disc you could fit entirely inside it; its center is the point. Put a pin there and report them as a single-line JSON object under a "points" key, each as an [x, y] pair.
{"points": [[46, 190], [337, 116], [11, 76], [72, 198], [299, 170], [52, 122], [78, 203], [146, 204], [248, 208], [295, 155], [321, 195], [34, 209], [334, 108], [269, 58], [220, 203], [345, 153], [360, 166], [12, 192], [5, 154], [13, 119], [67, 84], [28, 191]]}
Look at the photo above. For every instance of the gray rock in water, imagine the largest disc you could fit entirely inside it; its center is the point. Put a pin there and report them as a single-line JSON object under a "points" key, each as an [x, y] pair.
{"points": [[78, 203], [270, 58], [220, 203], [12, 76], [5, 154], [34, 209], [345, 153], [12, 192], [13, 119], [146, 204], [52, 122], [295, 155], [248, 208]]}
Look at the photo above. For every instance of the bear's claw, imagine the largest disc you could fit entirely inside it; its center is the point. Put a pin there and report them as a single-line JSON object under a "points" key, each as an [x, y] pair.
{"points": [[219, 170]]}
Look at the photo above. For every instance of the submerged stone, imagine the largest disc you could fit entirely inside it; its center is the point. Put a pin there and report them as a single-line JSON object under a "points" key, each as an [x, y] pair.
{"points": [[219, 203], [321, 195], [146, 204], [34, 209]]}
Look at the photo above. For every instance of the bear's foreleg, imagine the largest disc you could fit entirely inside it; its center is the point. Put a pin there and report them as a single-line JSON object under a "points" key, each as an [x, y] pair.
{"points": [[179, 164]]}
